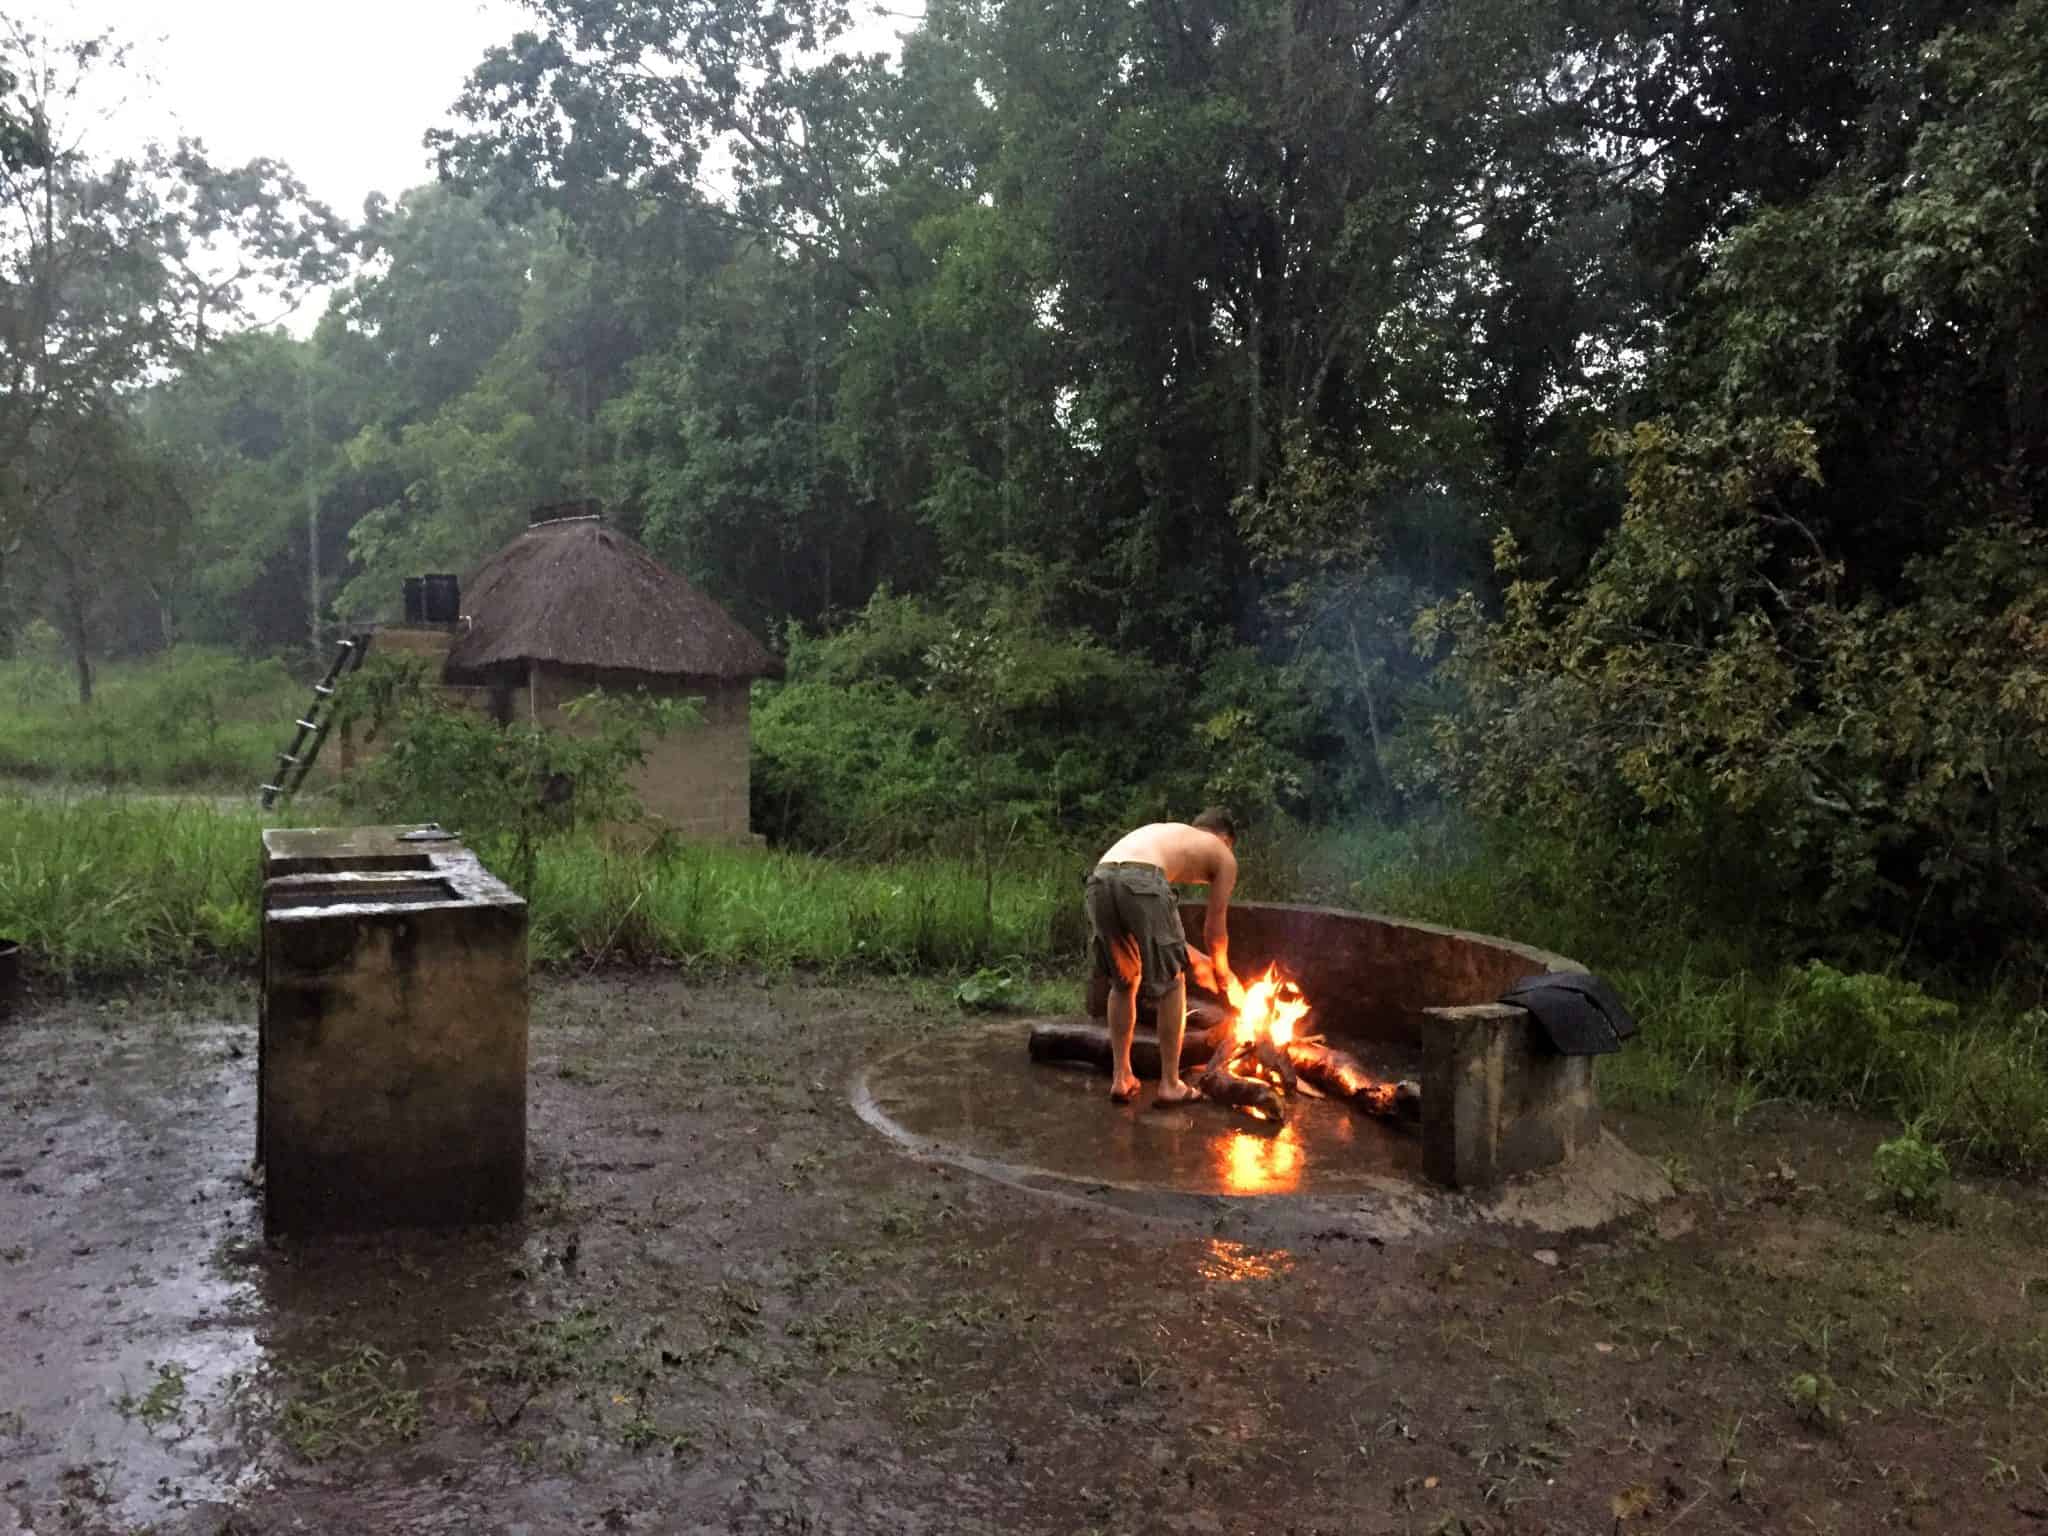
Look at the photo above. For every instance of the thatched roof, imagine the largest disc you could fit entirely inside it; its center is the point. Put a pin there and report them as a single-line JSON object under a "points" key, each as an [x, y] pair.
{"points": [[578, 594]]}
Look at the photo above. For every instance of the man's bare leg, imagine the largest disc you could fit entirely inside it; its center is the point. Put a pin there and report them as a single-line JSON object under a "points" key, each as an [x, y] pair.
{"points": [[1123, 1023], [1173, 1019]]}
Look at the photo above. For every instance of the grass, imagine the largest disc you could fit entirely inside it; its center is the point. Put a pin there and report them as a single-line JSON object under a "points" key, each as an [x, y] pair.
{"points": [[163, 1403], [106, 886], [358, 1403], [190, 719], [103, 885]]}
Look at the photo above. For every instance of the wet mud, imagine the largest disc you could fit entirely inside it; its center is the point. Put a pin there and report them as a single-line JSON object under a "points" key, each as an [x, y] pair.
{"points": [[731, 1306]]}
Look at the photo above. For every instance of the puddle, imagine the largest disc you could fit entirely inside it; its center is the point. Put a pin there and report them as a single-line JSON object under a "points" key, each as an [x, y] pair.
{"points": [[977, 1092]]}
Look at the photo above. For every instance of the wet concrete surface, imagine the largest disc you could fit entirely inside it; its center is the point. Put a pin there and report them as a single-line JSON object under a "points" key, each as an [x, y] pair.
{"points": [[971, 1100], [733, 1307], [976, 1091]]}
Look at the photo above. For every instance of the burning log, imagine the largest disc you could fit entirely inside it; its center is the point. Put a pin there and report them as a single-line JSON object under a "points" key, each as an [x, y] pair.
{"points": [[1272, 1058], [1340, 1075], [1255, 1094], [1088, 1045], [1248, 1059]]}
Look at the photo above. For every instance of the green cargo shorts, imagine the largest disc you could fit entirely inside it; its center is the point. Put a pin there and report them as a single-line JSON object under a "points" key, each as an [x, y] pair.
{"points": [[1136, 918]]}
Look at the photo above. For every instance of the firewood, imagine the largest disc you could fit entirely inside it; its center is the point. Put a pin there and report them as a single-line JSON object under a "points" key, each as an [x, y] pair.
{"points": [[1274, 1059], [1246, 1093], [1058, 1040], [1341, 1075]]}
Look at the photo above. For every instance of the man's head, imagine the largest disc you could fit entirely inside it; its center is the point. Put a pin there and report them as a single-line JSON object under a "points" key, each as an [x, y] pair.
{"points": [[1217, 820]]}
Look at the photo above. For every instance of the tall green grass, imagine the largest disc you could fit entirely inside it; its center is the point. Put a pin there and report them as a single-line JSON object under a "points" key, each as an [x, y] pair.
{"points": [[191, 718], [103, 886], [719, 907], [107, 885]]}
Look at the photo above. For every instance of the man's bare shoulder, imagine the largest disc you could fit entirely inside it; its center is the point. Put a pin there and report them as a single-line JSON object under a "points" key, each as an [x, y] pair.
{"points": [[1189, 855]]}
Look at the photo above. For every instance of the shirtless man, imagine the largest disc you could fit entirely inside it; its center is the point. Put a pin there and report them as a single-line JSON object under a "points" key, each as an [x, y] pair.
{"points": [[1140, 946]]}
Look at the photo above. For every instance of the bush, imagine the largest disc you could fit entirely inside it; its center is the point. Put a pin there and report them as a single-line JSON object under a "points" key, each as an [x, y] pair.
{"points": [[508, 785], [1884, 749], [1911, 1175]]}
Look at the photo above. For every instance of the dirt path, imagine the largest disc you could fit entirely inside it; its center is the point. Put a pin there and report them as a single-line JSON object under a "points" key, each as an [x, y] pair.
{"points": [[735, 1309]]}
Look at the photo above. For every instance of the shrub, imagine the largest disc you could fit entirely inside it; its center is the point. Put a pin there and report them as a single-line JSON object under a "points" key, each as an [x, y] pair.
{"points": [[513, 785], [1910, 1175]]}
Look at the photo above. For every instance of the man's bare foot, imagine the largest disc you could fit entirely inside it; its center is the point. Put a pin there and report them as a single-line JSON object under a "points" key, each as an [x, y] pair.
{"points": [[1123, 1089], [1174, 1093]]}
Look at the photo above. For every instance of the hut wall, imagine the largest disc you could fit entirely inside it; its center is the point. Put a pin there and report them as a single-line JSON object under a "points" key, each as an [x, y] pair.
{"points": [[696, 779]]}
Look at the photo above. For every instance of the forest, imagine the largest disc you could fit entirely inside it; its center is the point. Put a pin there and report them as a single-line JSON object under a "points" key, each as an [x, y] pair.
{"points": [[1605, 437]]}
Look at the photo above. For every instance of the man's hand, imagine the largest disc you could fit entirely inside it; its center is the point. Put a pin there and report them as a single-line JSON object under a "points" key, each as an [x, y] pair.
{"points": [[1212, 977]]}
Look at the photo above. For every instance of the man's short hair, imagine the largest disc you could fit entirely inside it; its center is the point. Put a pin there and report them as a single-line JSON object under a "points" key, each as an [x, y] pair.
{"points": [[1217, 820]]}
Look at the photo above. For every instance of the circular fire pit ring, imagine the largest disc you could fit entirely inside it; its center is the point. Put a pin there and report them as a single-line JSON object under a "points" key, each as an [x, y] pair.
{"points": [[972, 1101], [1509, 1128]]}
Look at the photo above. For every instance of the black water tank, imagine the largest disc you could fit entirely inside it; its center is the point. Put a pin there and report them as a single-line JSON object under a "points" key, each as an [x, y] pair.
{"points": [[415, 599], [444, 599]]}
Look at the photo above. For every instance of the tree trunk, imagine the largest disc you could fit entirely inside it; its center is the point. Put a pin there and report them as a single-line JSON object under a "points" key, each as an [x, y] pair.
{"points": [[77, 633], [1372, 714]]}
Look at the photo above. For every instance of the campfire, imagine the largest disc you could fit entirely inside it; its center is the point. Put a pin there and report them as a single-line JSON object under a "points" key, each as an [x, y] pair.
{"points": [[1262, 1056]]}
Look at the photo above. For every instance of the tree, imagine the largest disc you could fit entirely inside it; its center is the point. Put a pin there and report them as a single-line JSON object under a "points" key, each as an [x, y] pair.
{"points": [[108, 532], [112, 272]]}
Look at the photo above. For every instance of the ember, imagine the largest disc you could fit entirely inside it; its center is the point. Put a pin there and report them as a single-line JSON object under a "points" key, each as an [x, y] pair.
{"points": [[1263, 1058]]}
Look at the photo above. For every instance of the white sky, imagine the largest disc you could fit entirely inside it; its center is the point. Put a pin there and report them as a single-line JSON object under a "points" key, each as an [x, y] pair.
{"points": [[341, 94]]}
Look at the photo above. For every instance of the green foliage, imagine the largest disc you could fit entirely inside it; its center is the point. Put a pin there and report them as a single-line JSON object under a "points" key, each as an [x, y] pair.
{"points": [[107, 887], [1910, 1175], [357, 1404], [113, 272], [513, 784], [111, 887], [918, 725], [163, 1403], [1814, 1399], [993, 989], [1892, 754]]}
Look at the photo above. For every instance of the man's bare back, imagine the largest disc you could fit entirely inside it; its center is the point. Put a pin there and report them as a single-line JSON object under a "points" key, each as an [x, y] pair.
{"points": [[1189, 855]]}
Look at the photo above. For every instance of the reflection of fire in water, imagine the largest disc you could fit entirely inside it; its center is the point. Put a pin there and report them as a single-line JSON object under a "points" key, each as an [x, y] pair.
{"points": [[1255, 1164], [1235, 1263]]}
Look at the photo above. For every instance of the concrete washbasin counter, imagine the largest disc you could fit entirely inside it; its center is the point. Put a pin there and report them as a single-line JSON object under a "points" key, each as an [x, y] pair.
{"points": [[391, 1065]]}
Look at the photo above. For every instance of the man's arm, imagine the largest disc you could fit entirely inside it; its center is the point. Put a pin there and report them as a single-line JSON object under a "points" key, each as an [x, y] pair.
{"points": [[1216, 926]]}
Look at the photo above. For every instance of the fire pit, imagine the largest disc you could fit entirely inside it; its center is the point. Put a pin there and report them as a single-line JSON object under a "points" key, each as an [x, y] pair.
{"points": [[1417, 1081], [1419, 1001]]}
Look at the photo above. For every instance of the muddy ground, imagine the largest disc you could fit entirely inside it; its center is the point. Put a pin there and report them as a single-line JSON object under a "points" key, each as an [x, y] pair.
{"points": [[734, 1308]]}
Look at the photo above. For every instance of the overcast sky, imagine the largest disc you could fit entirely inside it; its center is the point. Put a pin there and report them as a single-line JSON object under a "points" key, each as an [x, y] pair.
{"points": [[342, 94]]}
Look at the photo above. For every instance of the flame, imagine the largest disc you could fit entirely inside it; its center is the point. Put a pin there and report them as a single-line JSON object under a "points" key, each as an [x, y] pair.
{"points": [[1272, 1006]]}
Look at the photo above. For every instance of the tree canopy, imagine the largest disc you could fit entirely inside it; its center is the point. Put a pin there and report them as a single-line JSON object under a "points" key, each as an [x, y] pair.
{"points": [[1682, 369]]}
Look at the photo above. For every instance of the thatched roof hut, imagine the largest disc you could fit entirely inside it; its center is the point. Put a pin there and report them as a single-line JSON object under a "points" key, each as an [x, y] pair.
{"points": [[572, 593], [570, 606]]}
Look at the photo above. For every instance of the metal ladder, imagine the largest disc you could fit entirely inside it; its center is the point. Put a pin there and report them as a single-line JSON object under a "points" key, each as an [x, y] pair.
{"points": [[295, 759]]}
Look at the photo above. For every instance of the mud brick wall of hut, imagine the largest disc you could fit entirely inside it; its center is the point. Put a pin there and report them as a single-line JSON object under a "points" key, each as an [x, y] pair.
{"points": [[695, 778]]}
